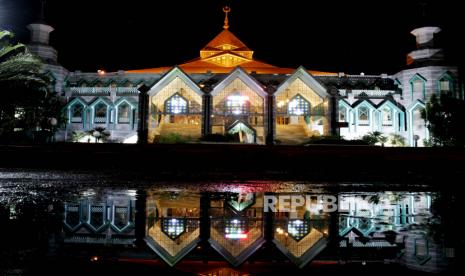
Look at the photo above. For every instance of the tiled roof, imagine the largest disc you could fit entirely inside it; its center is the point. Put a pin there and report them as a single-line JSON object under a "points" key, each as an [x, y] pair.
{"points": [[226, 37], [199, 66]]}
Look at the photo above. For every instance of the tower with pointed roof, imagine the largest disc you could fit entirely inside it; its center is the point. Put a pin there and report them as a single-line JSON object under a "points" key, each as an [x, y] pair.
{"points": [[40, 39], [427, 73], [40, 46], [226, 49]]}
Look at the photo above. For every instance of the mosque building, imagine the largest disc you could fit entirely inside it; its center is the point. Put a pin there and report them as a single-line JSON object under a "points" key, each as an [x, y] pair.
{"points": [[227, 92]]}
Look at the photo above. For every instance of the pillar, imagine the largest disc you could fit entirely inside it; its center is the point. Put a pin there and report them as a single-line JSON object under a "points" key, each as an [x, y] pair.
{"points": [[143, 124], [333, 110], [206, 111], [204, 225], [270, 118], [140, 216]]}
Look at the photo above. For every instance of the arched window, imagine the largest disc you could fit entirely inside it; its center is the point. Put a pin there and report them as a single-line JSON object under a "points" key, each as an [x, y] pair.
{"points": [[386, 116], [124, 112], [342, 114], [364, 116], [176, 105], [77, 113], [418, 121], [418, 87], [446, 84], [237, 104], [298, 106], [100, 113]]}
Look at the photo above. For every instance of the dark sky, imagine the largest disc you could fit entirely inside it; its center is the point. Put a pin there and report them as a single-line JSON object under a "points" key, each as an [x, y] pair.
{"points": [[340, 36]]}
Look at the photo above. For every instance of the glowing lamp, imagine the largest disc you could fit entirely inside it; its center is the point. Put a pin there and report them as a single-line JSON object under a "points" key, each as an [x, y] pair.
{"points": [[238, 98], [236, 236]]}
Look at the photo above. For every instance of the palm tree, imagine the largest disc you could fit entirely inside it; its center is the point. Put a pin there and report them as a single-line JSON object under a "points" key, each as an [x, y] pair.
{"points": [[397, 140], [26, 104], [374, 137]]}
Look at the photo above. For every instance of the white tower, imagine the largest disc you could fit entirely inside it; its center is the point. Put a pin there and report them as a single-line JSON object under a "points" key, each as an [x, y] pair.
{"points": [[426, 50], [40, 38]]}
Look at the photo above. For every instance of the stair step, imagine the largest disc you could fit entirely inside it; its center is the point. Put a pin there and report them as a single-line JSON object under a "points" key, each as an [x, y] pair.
{"points": [[181, 129], [291, 134]]}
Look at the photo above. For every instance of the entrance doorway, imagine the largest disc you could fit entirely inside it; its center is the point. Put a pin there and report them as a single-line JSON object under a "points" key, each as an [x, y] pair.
{"points": [[243, 132]]}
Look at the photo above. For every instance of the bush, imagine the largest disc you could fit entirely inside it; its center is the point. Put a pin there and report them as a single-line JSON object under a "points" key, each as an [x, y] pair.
{"points": [[333, 140], [172, 138], [397, 140], [372, 138]]}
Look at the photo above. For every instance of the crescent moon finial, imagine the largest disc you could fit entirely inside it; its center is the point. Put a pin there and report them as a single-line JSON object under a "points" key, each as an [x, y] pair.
{"points": [[226, 10]]}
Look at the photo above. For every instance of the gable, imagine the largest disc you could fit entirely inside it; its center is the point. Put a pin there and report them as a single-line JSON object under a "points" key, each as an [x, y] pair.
{"points": [[301, 79]]}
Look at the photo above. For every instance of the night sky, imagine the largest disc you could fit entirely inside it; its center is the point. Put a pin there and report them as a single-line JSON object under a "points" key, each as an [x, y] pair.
{"points": [[339, 36]]}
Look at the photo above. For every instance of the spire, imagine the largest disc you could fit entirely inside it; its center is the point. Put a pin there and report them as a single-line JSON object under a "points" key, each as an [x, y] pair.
{"points": [[42, 12], [226, 10], [423, 8]]}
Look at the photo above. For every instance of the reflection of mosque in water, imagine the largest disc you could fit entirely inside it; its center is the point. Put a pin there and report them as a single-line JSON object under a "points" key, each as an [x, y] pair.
{"points": [[181, 227]]}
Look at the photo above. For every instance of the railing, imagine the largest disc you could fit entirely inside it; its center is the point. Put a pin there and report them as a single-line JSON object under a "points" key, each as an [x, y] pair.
{"points": [[100, 120], [76, 120], [123, 120], [369, 93], [127, 90], [103, 90]]}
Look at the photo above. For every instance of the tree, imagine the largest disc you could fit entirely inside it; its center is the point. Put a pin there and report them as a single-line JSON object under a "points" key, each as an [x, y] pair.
{"points": [[99, 133], [397, 140], [372, 138], [445, 119], [27, 108], [382, 139]]}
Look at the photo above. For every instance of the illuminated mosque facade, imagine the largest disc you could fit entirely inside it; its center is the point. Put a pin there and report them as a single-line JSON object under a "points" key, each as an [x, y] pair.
{"points": [[227, 92]]}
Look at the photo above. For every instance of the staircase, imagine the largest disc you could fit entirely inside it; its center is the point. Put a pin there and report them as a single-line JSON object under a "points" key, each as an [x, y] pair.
{"points": [[291, 134], [185, 130]]}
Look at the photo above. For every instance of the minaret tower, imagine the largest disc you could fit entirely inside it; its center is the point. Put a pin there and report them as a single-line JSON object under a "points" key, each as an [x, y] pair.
{"points": [[427, 52], [40, 38]]}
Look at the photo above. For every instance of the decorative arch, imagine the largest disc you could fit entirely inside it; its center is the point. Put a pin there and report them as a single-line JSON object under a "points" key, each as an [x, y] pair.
{"points": [[298, 105], [418, 105], [176, 104], [126, 83], [169, 85], [345, 114], [364, 113], [418, 82], [100, 111], [302, 74], [446, 83], [239, 94], [76, 107], [97, 83], [239, 126], [125, 116], [397, 114]]}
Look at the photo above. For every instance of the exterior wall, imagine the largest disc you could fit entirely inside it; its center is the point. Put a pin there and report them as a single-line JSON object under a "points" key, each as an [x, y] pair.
{"points": [[431, 74], [314, 124], [255, 118], [356, 130], [404, 122], [162, 123], [119, 131]]}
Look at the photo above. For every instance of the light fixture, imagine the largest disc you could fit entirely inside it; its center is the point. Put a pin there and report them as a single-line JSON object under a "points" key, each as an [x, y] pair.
{"points": [[235, 229]]}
